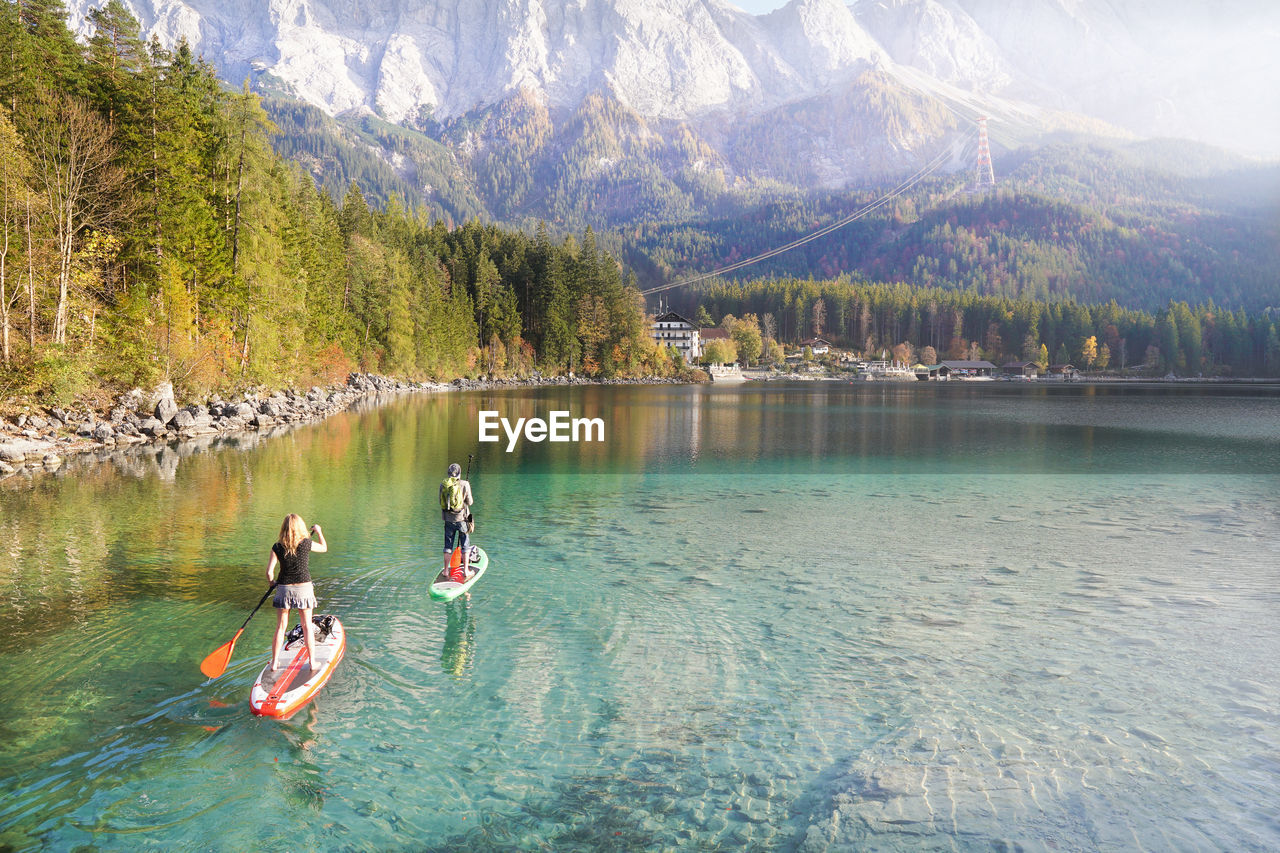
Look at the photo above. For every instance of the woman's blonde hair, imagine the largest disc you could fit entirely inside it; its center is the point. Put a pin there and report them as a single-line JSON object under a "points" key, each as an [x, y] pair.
{"points": [[292, 532]]}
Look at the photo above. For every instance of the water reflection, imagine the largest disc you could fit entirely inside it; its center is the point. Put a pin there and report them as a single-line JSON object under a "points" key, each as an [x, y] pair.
{"points": [[190, 519], [459, 636]]}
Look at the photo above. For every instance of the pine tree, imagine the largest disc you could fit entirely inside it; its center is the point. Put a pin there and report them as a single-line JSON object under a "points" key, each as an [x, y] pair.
{"points": [[116, 56], [560, 345], [43, 58]]}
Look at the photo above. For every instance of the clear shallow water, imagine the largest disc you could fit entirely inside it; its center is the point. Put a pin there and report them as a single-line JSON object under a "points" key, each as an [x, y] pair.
{"points": [[772, 617]]}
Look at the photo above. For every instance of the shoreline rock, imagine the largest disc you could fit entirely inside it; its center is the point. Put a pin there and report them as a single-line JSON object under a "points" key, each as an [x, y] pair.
{"points": [[47, 441]]}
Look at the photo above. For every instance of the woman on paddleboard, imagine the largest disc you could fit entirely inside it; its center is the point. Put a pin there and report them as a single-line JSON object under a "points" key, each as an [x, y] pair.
{"points": [[293, 585]]}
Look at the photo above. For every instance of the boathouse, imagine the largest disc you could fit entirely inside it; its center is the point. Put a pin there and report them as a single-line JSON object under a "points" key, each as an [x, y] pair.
{"points": [[968, 369], [1065, 372], [1027, 369]]}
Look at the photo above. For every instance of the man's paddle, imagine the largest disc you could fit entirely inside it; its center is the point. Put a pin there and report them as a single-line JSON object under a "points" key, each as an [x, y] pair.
{"points": [[471, 522], [471, 526], [216, 663]]}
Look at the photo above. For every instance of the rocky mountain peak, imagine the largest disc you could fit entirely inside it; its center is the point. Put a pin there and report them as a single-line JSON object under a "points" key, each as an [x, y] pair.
{"points": [[1168, 67]]}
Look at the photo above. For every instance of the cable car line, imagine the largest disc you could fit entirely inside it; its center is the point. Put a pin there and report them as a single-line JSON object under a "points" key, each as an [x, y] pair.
{"points": [[919, 175]]}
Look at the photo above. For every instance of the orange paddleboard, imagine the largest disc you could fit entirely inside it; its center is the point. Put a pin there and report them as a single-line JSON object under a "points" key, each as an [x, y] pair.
{"points": [[281, 693]]}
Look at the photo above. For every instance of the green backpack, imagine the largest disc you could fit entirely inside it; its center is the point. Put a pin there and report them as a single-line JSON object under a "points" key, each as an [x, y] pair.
{"points": [[451, 494]]}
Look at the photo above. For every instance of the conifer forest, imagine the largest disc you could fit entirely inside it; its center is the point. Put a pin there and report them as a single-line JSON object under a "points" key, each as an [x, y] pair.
{"points": [[151, 232]]}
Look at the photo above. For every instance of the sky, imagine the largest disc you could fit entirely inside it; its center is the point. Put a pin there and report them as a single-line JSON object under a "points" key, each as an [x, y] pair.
{"points": [[758, 7]]}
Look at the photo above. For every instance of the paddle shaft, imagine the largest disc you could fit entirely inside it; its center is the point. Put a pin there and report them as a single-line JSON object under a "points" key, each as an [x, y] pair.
{"points": [[470, 456], [245, 624], [261, 602]]}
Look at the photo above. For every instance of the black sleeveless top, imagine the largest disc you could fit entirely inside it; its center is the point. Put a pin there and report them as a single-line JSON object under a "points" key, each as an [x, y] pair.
{"points": [[293, 569]]}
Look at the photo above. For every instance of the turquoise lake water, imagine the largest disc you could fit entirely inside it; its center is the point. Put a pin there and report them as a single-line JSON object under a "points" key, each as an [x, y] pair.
{"points": [[810, 616]]}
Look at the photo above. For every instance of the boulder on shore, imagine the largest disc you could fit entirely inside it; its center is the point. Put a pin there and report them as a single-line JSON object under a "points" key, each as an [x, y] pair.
{"points": [[165, 406], [151, 426], [165, 410], [24, 448], [13, 451]]}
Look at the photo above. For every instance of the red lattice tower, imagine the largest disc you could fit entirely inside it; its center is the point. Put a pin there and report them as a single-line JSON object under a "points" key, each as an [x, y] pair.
{"points": [[985, 176]]}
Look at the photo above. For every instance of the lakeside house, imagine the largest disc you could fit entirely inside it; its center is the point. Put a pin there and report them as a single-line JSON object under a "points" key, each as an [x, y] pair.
{"points": [[1025, 369], [1064, 372], [713, 333], [673, 330], [969, 369], [819, 346]]}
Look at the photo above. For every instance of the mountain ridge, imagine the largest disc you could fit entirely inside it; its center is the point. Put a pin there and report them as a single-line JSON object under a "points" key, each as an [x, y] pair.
{"points": [[661, 189], [1153, 68]]}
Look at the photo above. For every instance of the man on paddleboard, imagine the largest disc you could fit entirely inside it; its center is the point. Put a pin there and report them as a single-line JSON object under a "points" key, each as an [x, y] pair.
{"points": [[455, 500]]}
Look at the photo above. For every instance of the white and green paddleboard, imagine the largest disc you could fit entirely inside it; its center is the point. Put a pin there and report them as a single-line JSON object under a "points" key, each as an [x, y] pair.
{"points": [[444, 589]]}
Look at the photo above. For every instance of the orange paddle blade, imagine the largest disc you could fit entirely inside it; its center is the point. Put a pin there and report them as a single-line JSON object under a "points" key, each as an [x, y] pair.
{"points": [[216, 663]]}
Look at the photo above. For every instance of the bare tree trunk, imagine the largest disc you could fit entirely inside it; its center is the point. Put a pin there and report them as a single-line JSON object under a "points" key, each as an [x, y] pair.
{"points": [[13, 63], [248, 321], [66, 236], [168, 327], [235, 243], [157, 227], [4, 281], [31, 284], [235, 228], [6, 302]]}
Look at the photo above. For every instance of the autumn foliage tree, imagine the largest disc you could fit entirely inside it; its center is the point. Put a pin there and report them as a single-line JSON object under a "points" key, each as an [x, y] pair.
{"points": [[747, 339], [75, 170], [1089, 351]]}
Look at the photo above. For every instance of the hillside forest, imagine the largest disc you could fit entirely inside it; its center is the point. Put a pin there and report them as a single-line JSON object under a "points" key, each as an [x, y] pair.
{"points": [[151, 231], [915, 324]]}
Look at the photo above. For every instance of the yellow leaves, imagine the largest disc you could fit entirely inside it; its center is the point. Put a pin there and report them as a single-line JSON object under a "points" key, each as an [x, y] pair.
{"points": [[1089, 349], [100, 248]]}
